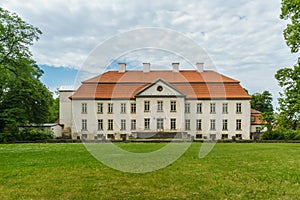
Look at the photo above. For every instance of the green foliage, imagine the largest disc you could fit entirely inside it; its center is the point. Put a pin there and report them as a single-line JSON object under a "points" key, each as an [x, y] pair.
{"points": [[23, 98], [289, 101], [33, 134], [262, 102], [281, 134], [290, 9]]}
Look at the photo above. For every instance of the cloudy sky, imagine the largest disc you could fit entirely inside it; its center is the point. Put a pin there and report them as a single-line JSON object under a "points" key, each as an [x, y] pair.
{"points": [[243, 38]]}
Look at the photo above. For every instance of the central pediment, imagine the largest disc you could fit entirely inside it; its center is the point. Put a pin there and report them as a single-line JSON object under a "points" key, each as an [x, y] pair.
{"points": [[159, 88]]}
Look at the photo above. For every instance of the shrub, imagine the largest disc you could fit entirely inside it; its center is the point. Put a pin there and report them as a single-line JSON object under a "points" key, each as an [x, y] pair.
{"points": [[33, 134], [9, 137]]}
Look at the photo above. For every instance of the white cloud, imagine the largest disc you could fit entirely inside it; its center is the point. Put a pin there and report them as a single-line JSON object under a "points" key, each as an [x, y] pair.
{"points": [[243, 38]]}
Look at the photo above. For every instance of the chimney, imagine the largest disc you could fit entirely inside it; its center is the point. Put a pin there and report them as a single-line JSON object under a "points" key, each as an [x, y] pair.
{"points": [[200, 67], [146, 67], [175, 67], [122, 67]]}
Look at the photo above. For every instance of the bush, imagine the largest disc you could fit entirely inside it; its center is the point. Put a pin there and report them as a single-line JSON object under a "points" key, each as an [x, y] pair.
{"points": [[9, 137], [281, 134], [33, 134]]}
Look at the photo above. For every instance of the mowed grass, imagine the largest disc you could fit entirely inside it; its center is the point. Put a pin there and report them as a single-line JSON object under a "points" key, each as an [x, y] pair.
{"points": [[230, 171]]}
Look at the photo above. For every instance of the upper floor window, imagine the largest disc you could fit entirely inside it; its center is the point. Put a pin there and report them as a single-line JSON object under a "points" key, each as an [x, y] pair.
{"points": [[173, 106], [159, 106], [133, 124], [212, 107], [100, 107], [225, 108], [84, 108], [146, 106], [133, 108], [187, 108], [238, 108], [199, 107], [123, 107], [110, 108]]}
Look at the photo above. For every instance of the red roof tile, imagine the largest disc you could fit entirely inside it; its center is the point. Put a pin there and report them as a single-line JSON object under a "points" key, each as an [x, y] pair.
{"points": [[205, 85]]}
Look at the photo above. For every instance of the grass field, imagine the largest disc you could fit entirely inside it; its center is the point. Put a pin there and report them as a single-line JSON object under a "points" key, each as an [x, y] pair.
{"points": [[230, 171]]}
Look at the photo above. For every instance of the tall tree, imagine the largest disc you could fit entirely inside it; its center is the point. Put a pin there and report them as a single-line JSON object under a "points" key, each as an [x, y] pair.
{"points": [[23, 98], [290, 10], [289, 78], [262, 102]]}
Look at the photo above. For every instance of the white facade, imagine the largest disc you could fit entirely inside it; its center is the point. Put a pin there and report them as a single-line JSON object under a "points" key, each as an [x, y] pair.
{"points": [[203, 119]]}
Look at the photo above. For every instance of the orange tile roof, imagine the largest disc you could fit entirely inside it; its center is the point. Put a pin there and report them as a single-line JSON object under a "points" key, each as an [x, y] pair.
{"points": [[257, 121], [205, 85]]}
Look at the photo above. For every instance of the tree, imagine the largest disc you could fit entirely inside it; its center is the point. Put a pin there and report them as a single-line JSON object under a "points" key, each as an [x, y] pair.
{"points": [[262, 102], [23, 98], [290, 9], [289, 78]]}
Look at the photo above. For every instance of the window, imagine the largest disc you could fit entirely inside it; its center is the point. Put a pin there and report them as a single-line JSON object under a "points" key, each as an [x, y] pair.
{"points": [[225, 108], [173, 106], [123, 124], [110, 125], [147, 123], [123, 107], [238, 108], [199, 107], [198, 136], [110, 108], [212, 124], [173, 124], [160, 123], [84, 124], [252, 119], [187, 124], [159, 106], [100, 124], [187, 108], [257, 129], [198, 124], [100, 107], [147, 106], [133, 108], [225, 125], [110, 136], [133, 124], [224, 136], [238, 136], [238, 124], [213, 108], [84, 108], [84, 136]]}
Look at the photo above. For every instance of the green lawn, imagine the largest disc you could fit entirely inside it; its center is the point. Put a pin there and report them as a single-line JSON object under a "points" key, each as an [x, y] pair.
{"points": [[230, 171]]}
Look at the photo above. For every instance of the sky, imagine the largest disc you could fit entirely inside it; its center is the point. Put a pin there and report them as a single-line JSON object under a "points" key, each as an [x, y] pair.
{"points": [[242, 38]]}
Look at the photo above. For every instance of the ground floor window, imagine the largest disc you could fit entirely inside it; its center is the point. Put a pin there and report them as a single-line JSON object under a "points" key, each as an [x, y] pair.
{"points": [[84, 124], [110, 124], [100, 124], [187, 124], [123, 124], [110, 136], [160, 123], [133, 124], [147, 123], [173, 124], [212, 136], [98, 136], [84, 136]]}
